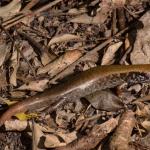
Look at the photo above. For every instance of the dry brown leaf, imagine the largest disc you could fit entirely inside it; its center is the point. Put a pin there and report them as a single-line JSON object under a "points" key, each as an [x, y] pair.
{"points": [[14, 65], [79, 106], [12, 8], [37, 85], [119, 2], [7, 147], [140, 102], [75, 11], [4, 50], [60, 63], [41, 50], [70, 69], [105, 100], [63, 38], [100, 17], [30, 5], [52, 141], [81, 122], [140, 53], [109, 55], [17, 125], [27, 50], [17, 94], [63, 118], [146, 125], [37, 137], [136, 2], [127, 42], [27, 20], [136, 88], [3, 81], [36, 62], [143, 111], [146, 141], [45, 59], [68, 137]]}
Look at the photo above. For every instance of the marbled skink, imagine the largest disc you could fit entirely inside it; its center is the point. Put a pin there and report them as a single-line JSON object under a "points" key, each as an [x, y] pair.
{"points": [[79, 85]]}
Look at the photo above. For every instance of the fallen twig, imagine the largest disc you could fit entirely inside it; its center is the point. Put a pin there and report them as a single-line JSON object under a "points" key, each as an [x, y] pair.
{"points": [[9, 23], [70, 68], [30, 5]]}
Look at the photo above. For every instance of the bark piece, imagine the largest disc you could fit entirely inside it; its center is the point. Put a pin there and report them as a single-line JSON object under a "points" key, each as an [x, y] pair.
{"points": [[63, 38], [121, 137]]}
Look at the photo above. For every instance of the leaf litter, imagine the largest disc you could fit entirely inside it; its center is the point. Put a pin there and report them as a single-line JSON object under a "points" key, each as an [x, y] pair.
{"points": [[44, 42]]}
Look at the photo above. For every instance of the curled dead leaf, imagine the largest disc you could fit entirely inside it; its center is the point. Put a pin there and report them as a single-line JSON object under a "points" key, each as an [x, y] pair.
{"points": [[75, 11], [37, 85], [95, 136], [3, 81], [68, 137], [60, 63], [37, 137], [17, 125], [12, 8], [100, 17], [4, 51], [146, 125], [63, 38], [52, 141], [14, 65], [109, 55]]}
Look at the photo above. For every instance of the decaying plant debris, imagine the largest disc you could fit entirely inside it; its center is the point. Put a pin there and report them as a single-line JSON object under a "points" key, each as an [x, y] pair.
{"points": [[43, 43]]}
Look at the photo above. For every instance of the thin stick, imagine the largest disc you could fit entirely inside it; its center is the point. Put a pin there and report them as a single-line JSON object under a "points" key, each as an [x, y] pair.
{"points": [[9, 23], [30, 5], [51, 4], [70, 68]]}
